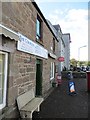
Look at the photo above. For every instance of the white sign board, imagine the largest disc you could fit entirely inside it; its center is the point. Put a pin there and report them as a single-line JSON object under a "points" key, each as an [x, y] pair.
{"points": [[28, 46]]}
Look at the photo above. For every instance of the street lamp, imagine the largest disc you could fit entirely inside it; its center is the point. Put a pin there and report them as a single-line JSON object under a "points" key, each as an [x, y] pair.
{"points": [[79, 52]]}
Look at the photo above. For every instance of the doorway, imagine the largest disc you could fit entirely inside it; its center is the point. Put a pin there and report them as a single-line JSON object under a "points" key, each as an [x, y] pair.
{"points": [[3, 78], [38, 77]]}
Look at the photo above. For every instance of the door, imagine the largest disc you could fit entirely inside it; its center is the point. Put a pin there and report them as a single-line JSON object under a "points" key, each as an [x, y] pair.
{"points": [[3, 78], [2, 57], [38, 77]]}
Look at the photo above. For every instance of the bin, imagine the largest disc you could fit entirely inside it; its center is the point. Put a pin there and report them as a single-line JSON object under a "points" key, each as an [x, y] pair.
{"points": [[69, 75], [59, 79], [88, 81], [54, 84]]}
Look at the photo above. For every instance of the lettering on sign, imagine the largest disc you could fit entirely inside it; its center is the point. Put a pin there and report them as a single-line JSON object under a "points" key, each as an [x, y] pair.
{"points": [[28, 46]]}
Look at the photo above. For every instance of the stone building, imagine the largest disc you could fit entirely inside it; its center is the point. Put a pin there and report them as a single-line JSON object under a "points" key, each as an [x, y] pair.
{"points": [[61, 48], [67, 40], [25, 60]]}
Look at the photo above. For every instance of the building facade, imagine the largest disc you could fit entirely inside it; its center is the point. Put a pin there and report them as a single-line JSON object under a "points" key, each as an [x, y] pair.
{"points": [[26, 62], [67, 41], [61, 48]]}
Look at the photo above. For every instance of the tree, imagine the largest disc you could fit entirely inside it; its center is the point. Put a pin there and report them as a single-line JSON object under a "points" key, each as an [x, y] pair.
{"points": [[88, 63], [82, 63], [73, 62]]}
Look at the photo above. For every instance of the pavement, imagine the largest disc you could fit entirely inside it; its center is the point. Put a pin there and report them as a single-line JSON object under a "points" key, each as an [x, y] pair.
{"points": [[59, 104]]}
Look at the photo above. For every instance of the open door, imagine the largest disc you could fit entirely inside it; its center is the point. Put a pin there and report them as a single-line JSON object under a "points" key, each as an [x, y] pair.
{"points": [[38, 77]]}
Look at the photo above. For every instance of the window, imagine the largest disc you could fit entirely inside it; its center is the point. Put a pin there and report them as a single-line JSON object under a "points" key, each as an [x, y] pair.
{"points": [[53, 45], [52, 71], [3, 78], [38, 28]]}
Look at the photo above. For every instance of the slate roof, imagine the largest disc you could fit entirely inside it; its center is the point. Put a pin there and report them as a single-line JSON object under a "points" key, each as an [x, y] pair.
{"points": [[52, 28]]}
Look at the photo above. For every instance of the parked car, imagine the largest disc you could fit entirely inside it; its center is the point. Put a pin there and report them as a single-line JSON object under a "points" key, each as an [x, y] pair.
{"points": [[87, 68], [79, 69], [84, 69]]}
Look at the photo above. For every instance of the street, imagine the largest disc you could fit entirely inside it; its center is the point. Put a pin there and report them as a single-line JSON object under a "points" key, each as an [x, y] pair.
{"points": [[60, 104]]}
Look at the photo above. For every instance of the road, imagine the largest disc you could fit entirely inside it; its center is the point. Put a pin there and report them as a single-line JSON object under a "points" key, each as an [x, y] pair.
{"points": [[59, 104]]}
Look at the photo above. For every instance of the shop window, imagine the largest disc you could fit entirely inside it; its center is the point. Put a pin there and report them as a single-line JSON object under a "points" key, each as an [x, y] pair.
{"points": [[38, 29], [3, 78], [52, 71]]}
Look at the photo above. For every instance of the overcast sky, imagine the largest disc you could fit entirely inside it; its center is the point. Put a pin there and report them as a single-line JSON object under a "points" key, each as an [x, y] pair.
{"points": [[73, 19]]}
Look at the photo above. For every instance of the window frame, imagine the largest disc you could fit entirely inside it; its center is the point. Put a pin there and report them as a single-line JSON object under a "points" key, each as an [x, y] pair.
{"points": [[53, 45], [52, 70], [40, 29], [5, 79]]}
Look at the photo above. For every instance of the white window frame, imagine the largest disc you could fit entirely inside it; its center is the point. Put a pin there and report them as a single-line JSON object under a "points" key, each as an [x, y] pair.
{"points": [[52, 71], [38, 28], [5, 79]]}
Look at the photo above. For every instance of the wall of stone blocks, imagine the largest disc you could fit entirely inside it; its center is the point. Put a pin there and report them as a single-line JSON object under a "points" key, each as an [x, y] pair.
{"points": [[21, 17], [22, 74]]}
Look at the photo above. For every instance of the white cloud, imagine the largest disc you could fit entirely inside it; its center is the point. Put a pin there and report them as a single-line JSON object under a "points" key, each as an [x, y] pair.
{"points": [[79, 14], [75, 22]]}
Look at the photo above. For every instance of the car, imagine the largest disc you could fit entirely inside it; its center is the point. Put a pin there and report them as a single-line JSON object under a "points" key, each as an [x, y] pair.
{"points": [[78, 69], [84, 69]]}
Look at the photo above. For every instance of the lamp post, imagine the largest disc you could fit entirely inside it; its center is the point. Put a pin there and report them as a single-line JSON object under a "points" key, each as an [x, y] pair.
{"points": [[79, 53]]}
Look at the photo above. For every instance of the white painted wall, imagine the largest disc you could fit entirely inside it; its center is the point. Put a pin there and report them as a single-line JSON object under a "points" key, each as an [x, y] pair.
{"points": [[61, 49], [66, 38]]}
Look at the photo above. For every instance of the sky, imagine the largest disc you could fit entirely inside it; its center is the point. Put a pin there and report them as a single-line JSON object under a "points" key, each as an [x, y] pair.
{"points": [[73, 19]]}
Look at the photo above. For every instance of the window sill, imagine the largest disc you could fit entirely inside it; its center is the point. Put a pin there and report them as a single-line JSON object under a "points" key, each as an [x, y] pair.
{"points": [[52, 78], [40, 42]]}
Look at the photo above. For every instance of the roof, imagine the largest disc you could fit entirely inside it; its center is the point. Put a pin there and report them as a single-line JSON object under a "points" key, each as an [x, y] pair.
{"points": [[37, 8], [52, 28], [68, 35], [57, 27]]}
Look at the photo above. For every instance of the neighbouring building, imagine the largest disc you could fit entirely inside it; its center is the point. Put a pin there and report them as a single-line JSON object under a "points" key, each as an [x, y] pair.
{"points": [[54, 50], [61, 48], [28, 54], [67, 40]]}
